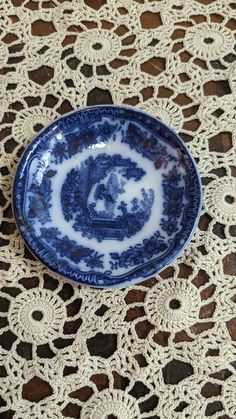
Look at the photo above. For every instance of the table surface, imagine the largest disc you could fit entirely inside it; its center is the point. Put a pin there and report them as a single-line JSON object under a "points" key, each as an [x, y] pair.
{"points": [[37, 389]]}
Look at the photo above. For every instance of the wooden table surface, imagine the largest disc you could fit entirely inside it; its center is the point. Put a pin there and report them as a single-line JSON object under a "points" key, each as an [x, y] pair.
{"points": [[36, 389]]}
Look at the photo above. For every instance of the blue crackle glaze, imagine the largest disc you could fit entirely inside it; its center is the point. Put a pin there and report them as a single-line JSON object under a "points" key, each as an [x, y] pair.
{"points": [[106, 196]]}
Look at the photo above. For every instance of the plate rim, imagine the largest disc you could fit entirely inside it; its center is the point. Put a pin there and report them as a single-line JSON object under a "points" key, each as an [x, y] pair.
{"points": [[135, 280]]}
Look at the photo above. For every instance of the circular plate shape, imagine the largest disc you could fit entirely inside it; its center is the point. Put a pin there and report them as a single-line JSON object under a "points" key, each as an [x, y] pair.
{"points": [[107, 196]]}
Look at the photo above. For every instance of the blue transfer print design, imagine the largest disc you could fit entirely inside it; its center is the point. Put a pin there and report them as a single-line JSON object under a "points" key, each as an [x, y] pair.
{"points": [[173, 201], [40, 197], [92, 196], [173, 196], [77, 140], [108, 174], [139, 253], [70, 249], [107, 130], [84, 136], [59, 152], [147, 145]]}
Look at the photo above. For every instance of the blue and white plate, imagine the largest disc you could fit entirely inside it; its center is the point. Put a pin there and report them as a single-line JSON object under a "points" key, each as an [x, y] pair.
{"points": [[107, 196]]}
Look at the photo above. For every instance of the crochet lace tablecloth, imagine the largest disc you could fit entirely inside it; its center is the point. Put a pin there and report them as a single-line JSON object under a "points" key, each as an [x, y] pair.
{"points": [[165, 348]]}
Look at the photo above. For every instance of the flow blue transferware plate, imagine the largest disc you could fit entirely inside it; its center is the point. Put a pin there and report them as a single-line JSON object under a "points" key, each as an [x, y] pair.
{"points": [[107, 196]]}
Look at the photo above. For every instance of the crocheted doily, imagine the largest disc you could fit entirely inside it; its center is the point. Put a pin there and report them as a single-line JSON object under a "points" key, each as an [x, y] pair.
{"points": [[164, 348]]}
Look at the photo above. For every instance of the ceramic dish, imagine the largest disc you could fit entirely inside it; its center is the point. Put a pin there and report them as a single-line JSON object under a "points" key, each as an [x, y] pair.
{"points": [[107, 196]]}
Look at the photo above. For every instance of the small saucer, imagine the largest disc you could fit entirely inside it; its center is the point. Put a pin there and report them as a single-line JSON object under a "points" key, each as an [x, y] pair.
{"points": [[107, 196]]}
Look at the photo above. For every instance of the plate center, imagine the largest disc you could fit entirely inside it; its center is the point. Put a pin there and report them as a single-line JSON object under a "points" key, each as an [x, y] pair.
{"points": [[96, 197]]}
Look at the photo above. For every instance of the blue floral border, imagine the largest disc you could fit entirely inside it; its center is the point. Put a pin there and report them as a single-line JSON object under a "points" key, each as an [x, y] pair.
{"points": [[157, 128]]}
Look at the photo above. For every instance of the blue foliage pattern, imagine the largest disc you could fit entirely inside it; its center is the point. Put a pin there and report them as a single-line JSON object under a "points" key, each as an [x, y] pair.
{"points": [[70, 249], [40, 197], [173, 201], [81, 137], [147, 145], [139, 253]]}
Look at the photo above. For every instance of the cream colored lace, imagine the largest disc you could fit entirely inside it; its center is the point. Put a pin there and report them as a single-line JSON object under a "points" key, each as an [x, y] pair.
{"points": [[166, 348]]}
